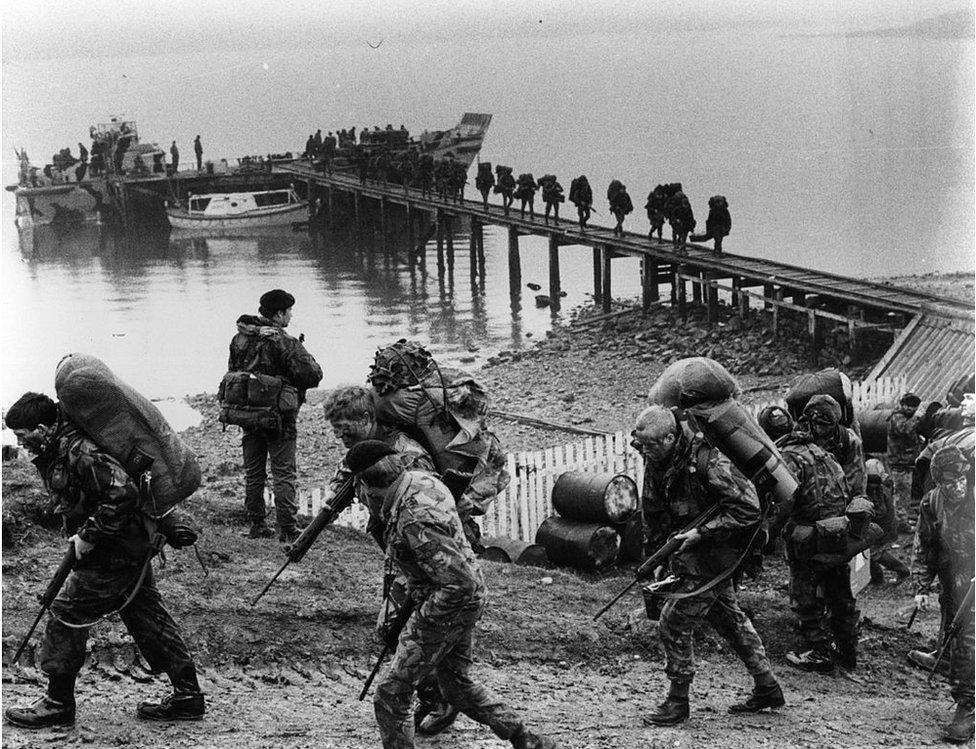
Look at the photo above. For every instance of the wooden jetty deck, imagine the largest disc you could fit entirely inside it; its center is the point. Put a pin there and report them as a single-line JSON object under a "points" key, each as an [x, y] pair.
{"points": [[782, 285]]}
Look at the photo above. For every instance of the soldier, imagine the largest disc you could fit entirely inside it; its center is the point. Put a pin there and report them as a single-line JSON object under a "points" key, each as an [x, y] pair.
{"points": [[581, 195], [904, 446], [484, 181], [881, 493], [718, 224], [262, 345], [526, 193], [822, 493], [775, 421], [620, 204], [424, 540], [822, 418], [113, 545], [174, 154], [682, 219], [943, 551], [654, 206], [198, 150], [552, 195], [352, 413], [682, 477], [506, 186]]}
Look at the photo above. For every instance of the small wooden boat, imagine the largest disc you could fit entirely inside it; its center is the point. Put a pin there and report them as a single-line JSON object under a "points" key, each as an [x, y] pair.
{"points": [[239, 210]]}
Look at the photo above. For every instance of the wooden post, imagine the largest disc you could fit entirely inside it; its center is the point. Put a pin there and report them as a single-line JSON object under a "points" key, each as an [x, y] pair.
{"points": [[411, 236], [554, 284], [711, 294], [480, 234], [674, 284], [383, 217], [743, 305], [799, 298], [768, 292], [310, 197], [597, 276], [606, 294], [679, 281], [331, 206], [852, 315], [449, 235], [696, 289], [812, 330], [514, 263], [736, 285], [440, 240], [778, 294], [357, 199], [647, 287]]}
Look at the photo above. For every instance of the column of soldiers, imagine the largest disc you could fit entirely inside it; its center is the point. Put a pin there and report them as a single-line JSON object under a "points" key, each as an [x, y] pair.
{"points": [[424, 522]]}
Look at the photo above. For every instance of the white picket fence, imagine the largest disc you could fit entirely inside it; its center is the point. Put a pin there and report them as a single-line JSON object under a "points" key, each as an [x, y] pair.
{"points": [[527, 502]]}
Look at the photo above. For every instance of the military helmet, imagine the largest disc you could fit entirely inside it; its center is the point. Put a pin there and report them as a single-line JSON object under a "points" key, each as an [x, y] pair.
{"points": [[948, 464], [775, 421], [823, 409], [400, 365]]}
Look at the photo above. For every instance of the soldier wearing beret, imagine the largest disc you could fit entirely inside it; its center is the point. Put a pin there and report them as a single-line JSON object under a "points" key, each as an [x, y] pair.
{"points": [[262, 345], [944, 552], [113, 548], [425, 541]]}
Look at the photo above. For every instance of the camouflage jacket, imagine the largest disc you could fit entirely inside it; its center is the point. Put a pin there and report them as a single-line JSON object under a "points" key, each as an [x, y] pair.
{"points": [[417, 460], [881, 492], [425, 540], [944, 540], [261, 346], [965, 440], [822, 490], [848, 450], [698, 476], [95, 496], [904, 441]]}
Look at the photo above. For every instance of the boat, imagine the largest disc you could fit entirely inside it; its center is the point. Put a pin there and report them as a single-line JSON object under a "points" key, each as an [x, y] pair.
{"points": [[238, 210], [460, 143]]}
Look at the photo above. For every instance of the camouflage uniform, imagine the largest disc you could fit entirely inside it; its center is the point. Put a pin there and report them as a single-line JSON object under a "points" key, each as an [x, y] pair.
{"points": [[261, 346], [943, 551], [425, 541], [99, 502], [815, 590], [904, 445], [964, 439], [672, 497]]}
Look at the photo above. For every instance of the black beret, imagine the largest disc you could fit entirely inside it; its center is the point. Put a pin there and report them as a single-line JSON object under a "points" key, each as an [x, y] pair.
{"points": [[277, 299], [910, 400], [31, 410], [367, 453]]}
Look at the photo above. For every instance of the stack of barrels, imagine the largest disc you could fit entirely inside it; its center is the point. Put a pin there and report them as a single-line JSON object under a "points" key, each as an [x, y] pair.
{"points": [[597, 524]]}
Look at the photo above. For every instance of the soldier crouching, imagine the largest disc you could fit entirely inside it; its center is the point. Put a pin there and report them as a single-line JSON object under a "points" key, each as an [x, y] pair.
{"points": [[424, 539], [112, 544], [683, 476]]}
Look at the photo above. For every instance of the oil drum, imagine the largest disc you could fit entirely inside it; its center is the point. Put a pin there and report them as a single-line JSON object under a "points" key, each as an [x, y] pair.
{"points": [[570, 543], [512, 551], [595, 497], [874, 429]]}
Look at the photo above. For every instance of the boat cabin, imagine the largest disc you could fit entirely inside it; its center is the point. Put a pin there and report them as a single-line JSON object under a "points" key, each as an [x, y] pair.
{"points": [[235, 203]]}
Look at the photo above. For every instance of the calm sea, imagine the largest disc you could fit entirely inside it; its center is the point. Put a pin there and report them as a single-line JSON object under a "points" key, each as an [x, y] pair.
{"points": [[853, 155]]}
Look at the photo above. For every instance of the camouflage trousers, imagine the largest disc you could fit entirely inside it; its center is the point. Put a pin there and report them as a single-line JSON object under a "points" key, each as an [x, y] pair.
{"points": [[91, 593], [444, 650], [906, 509], [824, 604], [720, 607], [961, 661]]}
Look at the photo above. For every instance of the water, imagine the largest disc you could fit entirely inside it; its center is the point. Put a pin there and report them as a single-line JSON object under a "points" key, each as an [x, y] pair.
{"points": [[848, 154]]}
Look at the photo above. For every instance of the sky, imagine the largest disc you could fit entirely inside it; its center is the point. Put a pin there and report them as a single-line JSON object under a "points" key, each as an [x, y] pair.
{"points": [[56, 28]]}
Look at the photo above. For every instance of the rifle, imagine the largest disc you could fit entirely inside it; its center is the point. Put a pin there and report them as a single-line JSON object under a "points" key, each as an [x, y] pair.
{"points": [[646, 570], [953, 629], [296, 551], [53, 588], [390, 641]]}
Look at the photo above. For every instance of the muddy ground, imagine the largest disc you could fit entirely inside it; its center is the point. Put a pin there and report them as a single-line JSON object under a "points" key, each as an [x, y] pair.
{"points": [[288, 672]]}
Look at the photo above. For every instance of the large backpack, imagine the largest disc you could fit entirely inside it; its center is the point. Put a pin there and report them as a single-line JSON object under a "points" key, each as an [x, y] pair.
{"points": [[130, 428], [254, 400]]}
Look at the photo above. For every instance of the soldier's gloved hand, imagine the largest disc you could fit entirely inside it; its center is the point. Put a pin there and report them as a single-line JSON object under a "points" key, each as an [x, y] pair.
{"points": [[688, 539], [922, 601], [82, 547]]}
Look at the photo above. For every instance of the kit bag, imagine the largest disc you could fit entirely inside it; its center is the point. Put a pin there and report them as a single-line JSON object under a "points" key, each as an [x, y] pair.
{"points": [[256, 401]]}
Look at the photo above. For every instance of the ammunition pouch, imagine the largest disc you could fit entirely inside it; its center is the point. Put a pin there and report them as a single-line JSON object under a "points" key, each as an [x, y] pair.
{"points": [[802, 542], [256, 401], [832, 535]]}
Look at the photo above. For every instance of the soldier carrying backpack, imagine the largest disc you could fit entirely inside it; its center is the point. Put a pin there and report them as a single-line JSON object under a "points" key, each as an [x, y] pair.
{"points": [[268, 374]]}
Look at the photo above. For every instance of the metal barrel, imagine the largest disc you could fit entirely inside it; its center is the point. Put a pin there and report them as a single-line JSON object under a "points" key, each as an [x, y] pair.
{"points": [[595, 497], [582, 545], [511, 551], [874, 429], [631, 539]]}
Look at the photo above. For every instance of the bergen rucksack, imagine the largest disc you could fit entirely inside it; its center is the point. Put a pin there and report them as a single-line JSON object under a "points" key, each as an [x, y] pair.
{"points": [[131, 429], [253, 400]]}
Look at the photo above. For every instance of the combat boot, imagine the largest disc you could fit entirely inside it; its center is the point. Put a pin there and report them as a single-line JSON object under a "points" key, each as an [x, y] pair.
{"points": [[673, 710], [439, 718], [845, 655], [811, 660], [259, 529], [523, 739], [960, 729], [766, 693], [56, 708], [185, 703]]}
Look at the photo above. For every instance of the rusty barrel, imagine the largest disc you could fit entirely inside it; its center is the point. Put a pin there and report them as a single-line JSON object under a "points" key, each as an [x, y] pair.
{"points": [[595, 497], [512, 551], [570, 543], [631, 539]]}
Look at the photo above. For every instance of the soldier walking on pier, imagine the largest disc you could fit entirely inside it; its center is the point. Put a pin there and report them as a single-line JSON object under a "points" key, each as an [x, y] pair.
{"points": [[718, 224], [552, 195], [581, 194], [425, 542], [525, 192], [198, 150], [620, 204], [484, 181], [654, 206], [506, 186]]}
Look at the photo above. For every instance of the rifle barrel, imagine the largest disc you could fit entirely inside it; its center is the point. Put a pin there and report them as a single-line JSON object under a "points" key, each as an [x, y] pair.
{"points": [[23, 643], [267, 587], [372, 674], [616, 598]]}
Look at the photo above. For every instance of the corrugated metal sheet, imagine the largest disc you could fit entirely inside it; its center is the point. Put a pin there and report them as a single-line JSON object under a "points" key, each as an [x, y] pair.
{"points": [[930, 353]]}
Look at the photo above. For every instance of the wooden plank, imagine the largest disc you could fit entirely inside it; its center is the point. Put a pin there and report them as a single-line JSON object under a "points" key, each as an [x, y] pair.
{"points": [[896, 346]]}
